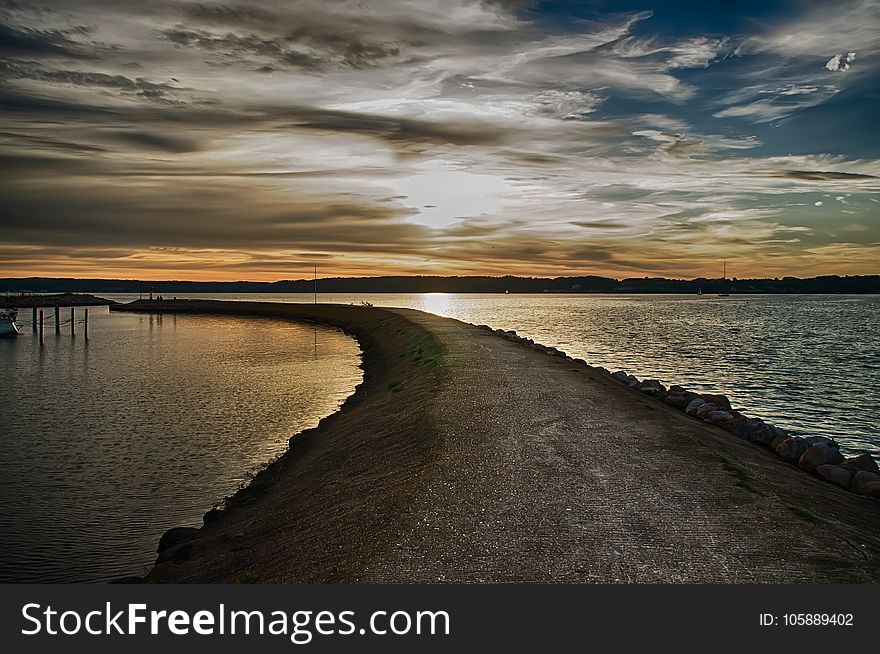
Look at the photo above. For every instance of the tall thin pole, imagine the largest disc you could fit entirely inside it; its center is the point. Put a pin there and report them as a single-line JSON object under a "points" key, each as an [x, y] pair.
{"points": [[316, 283], [57, 320], [42, 342], [86, 325], [34, 318], [72, 321]]}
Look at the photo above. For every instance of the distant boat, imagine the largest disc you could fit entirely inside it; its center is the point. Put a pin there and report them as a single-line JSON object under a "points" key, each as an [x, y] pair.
{"points": [[7, 322]]}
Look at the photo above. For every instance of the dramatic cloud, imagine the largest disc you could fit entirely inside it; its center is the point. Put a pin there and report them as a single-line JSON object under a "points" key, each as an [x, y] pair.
{"points": [[247, 140], [840, 61]]}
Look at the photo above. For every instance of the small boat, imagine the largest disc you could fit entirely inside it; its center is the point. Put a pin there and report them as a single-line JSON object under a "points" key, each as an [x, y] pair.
{"points": [[7, 322]]}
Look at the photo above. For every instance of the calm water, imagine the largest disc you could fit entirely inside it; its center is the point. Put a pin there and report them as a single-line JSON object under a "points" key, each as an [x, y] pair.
{"points": [[810, 363], [107, 444]]}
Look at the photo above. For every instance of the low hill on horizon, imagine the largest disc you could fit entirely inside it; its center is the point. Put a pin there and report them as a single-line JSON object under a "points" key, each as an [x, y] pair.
{"points": [[854, 284]]}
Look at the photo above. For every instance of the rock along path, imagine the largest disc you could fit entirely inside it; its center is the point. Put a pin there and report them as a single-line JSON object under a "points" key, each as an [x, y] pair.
{"points": [[465, 457]]}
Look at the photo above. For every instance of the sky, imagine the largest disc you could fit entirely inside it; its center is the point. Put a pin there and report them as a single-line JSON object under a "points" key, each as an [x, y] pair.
{"points": [[218, 140]]}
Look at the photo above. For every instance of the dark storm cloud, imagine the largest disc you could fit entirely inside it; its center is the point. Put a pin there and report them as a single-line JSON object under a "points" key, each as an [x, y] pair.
{"points": [[32, 142], [243, 48], [18, 41], [135, 215], [599, 224], [23, 105], [230, 14], [302, 49], [396, 130], [154, 141], [158, 91], [818, 175]]}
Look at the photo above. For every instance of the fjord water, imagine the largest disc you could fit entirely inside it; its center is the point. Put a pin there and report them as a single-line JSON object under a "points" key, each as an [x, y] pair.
{"points": [[108, 443]]}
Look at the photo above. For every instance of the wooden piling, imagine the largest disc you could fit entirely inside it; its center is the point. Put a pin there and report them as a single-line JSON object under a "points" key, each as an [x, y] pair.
{"points": [[86, 325], [57, 320], [42, 342], [72, 321], [34, 320]]}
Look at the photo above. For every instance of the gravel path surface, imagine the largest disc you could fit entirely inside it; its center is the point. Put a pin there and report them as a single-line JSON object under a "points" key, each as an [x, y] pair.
{"points": [[466, 457]]}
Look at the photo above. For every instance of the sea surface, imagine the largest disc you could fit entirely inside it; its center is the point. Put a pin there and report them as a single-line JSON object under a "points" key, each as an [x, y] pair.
{"points": [[108, 443]]}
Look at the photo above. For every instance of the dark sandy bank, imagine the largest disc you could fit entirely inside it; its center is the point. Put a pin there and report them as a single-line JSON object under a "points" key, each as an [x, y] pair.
{"points": [[467, 457]]}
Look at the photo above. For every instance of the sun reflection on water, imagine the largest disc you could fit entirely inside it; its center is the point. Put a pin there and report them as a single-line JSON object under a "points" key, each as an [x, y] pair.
{"points": [[438, 303]]}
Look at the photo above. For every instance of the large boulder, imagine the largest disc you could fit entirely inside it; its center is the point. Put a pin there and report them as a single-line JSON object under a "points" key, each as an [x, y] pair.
{"points": [[691, 408], [835, 474], [762, 433], [817, 455], [723, 419], [779, 436], [718, 400], [675, 389], [176, 536], [871, 489], [175, 553], [624, 378], [862, 462], [861, 477], [744, 428], [652, 387], [767, 434], [705, 409], [680, 402], [792, 448]]}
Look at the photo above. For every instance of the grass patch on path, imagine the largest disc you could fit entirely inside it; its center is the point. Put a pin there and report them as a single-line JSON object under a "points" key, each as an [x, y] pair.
{"points": [[804, 514], [743, 479]]}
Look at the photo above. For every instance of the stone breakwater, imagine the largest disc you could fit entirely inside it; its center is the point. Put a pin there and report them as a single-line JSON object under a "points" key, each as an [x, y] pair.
{"points": [[816, 455]]}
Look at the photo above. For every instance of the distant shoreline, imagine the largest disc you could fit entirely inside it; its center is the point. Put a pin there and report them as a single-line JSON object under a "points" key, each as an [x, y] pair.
{"points": [[827, 284], [463, 456]]}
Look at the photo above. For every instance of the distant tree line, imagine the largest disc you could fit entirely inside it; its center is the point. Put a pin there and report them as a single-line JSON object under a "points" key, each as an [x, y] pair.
{"points": [[857, 284]]}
